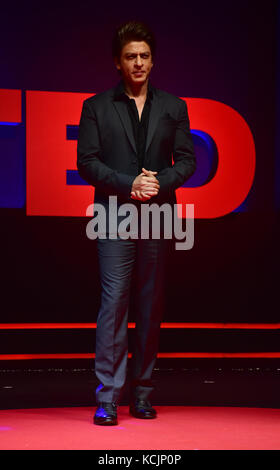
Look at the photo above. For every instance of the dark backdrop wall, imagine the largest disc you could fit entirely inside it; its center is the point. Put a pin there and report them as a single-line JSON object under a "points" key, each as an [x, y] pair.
{"points": [[226, 51]]}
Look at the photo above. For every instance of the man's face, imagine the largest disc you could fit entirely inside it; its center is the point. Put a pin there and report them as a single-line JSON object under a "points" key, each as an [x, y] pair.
{"points": [[135, 62]]}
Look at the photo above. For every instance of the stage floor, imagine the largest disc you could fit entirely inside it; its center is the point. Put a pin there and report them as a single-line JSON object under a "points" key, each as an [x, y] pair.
{"points": [[199, 383], [177, 427]]}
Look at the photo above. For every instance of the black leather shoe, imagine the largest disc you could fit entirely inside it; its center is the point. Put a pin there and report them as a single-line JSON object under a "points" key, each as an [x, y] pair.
{"points": [[106, 414], [142, 409]]}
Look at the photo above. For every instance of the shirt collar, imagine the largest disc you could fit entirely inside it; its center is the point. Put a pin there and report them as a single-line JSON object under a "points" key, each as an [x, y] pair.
{"points": [[120, 91]]}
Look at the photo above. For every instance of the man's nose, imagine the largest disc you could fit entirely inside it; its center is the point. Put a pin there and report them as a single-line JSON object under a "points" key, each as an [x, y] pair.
{"points": [[138, 60]]}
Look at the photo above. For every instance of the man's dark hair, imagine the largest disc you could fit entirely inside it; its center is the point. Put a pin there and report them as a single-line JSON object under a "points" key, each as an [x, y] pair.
{"points": [[132, 31]]}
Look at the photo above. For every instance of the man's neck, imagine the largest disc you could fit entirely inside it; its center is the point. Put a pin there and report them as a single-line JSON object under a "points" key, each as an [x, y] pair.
{"points": [[137, 91]]}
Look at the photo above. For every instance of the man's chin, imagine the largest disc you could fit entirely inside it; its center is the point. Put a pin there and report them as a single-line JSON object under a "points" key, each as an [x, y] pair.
{"points": [[139, 79]]}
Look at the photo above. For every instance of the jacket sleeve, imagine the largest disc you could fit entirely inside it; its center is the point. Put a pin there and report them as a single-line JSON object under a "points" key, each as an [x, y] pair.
{"points": [[183, 155], [89, 161]]}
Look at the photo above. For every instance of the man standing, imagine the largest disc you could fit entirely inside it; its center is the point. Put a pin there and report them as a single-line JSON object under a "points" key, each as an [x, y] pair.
{"points": [[127, 136]]}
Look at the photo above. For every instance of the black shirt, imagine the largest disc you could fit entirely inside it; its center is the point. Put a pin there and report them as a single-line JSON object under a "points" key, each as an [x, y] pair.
{"points": [[140, 127]]}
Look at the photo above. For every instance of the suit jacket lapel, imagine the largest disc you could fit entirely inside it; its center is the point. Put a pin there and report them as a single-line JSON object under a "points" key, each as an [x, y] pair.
{"points": [[121, 108], [155, 111]]}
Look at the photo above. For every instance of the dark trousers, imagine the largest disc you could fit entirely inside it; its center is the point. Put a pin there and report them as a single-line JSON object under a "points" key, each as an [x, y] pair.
{"points": [[117, 259]]}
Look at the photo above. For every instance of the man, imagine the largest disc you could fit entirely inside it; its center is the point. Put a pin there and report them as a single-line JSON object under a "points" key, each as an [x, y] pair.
{"points": [[127, 137]]}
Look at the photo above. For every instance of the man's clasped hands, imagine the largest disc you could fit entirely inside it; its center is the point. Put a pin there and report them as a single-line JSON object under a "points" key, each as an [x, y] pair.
{"points": [[145, 185]]}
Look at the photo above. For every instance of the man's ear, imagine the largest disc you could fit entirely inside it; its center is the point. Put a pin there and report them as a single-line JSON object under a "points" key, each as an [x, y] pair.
{"points": [[116, 62]]}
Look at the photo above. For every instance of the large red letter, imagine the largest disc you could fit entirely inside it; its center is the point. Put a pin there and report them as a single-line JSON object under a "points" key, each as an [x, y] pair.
{"points": [[49, 155], [10, 105], [236, 159]]}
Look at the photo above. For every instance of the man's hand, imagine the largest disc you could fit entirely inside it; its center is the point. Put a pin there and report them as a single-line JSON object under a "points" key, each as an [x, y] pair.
{"points": [[145, 185]]}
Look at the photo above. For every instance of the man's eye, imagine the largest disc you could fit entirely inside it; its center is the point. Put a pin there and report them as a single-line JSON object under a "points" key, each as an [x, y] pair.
{"points": [[133, 56]]}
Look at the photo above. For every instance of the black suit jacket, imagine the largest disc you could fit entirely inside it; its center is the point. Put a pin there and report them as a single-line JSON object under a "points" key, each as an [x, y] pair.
{"points": [[106, 150]]}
